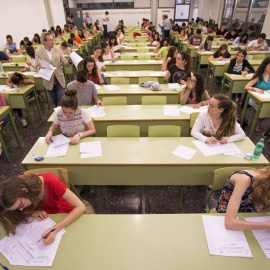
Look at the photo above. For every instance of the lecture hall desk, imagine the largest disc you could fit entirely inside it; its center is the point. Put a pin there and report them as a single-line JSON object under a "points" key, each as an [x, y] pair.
{"points": [[135, 55]]}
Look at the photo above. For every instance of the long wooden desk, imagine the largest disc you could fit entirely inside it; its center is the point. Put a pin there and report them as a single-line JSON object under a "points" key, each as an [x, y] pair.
{"points": [[135, 55], [17, 66], [135, 65], [153, 242], [135, 75], [140, 161], [141, 115], [135, 49], [135, 92], [263, 110]]}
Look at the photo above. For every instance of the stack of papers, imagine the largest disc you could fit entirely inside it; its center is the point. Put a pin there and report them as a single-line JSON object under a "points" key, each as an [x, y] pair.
{"points": [[111, 87], [76, 59], [184, 152], [171, 110], [25, 249], [90, 149], [189, 110], [46, 71], [228, 149], [96, 111], [58, 147], [224, 242]]}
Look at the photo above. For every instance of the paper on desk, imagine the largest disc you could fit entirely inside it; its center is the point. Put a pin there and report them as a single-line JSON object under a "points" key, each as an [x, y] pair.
{"points": [[150, 53], [98, 86], [224, 242], [190, 110], [96, 111], [207, 52], [47, 71], [111, 87], [117, 47], [100, 64], [151, 61], [154, 43], [20, 55], [57, 108], [8, 89], [59, 140], [120, 62], [24, 248], [221, 61], [184, 152], [58, 151], [2, 87], [171, 110], [76, 59], [8, 64], [262, 236], [249, 75], [264, 95], [211, 149], [174, 85], [30, 73], [90, 149]]}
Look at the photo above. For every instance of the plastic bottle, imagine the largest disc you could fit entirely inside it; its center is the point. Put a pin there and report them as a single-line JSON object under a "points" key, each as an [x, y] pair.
{"points": [[258, 149]]}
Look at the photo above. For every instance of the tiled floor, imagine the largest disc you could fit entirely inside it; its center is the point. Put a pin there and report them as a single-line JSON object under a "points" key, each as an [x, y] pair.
{"points": [[124, 200]]}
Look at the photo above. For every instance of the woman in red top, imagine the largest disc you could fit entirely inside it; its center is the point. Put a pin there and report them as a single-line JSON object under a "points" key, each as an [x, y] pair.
{"points": [[94, 75], [37, 196]]}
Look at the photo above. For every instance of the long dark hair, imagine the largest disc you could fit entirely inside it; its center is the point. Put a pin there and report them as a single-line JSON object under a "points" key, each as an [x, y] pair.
{"points": [[162, 42], [30, 51], [190, 34], [259, 72], [110, 41], [98, 47], [222, 47], [188, 61], [199, 87], [206, 43], [60, 30], [17, 78], [38, 38], [89, 59], [171, 54], [70, 99], [242, 36]]}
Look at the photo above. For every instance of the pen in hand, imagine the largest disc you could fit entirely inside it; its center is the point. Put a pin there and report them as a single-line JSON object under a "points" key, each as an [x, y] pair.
{"points": [[47, 235]]}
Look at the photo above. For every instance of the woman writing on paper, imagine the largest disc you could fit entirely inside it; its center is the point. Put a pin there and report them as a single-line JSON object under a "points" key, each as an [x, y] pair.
{"points": [[245, 191], [170, 59], [218, 123], [37, 196], [73, 121], [195, 93]]}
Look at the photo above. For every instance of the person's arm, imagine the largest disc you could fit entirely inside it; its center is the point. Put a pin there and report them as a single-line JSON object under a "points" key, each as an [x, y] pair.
{"points": [[164, 65], [5, 58], [196, 131], [49, 136], [156, 48], [231, 66], [65, 62], [97, 101], [90, 131], [101, 81], [204, 102], [78, 209], [8, 82], [157, 56], [201, 47], [184, 96], [28, 81], [249, 66], [241, 184], [167, 76], [238, 135], [249, 86]]}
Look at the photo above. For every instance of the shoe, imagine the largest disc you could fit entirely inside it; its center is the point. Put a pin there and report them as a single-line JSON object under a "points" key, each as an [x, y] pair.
{"points": [[258, 128], [24, 123]]}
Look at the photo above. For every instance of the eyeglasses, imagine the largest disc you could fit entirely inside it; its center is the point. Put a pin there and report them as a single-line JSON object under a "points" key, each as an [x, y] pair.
{"points": [[177, 58], [212, 106], [21, 206], [192, 81]]}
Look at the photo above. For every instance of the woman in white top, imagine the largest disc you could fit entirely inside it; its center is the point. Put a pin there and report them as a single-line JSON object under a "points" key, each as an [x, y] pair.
{"points": [[97, 55], [65, 48], [218, 123], [108, 54], [31, 63], [86, 33], [120, 36]]}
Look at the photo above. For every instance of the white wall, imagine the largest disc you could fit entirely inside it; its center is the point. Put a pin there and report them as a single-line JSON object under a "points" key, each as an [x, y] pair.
{"points": [[57, 13], [22, 18], [266, 28]]}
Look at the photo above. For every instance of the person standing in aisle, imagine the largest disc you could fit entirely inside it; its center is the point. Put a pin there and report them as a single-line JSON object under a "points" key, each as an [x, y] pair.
{"points": [[166, 25], [105, 19]]}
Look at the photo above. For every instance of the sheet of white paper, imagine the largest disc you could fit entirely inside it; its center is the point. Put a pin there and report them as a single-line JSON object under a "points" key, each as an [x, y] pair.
{"points": [[173, 86], [2, 87], [190, 110], [76, 59], [57, 109], [224, 242], [155, 43], [98, 86], [249, 75], [100, 64], [46, 65], [111, 87], [45, 73], [264, 95], [221, 62], [184, 152], [263, 237], [8, 64], [120, 62], [151, 61], [17, 56], [171, 110], [96, 111], [30, 73], [113, 74], [90, 149], [207, 52], [59, 140], [117, 47], [150, 53], [58, 151], [236, 75], [8, 89]]}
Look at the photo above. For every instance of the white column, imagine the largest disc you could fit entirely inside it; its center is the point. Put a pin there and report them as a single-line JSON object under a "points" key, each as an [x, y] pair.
{"points": [[154, 8]]}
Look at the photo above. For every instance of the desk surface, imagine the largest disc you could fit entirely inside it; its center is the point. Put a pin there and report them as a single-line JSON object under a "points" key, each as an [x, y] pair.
{"points": [[134, 74], [133, 62], [3, 109], [263, 100], [152, 242], [234, 77], [252, 62], [20, 91]]}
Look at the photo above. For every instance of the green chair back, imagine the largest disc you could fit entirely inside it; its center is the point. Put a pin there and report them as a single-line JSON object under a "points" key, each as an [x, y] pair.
{"points": [[127, 57], [142, 50], [258, 56], [19, 59], [123, 131], [193, 117], [145, 79], [114, 100], [164, 131], [154, 100], [115, 80], [144, 57], [131, 45], [141, 44]]}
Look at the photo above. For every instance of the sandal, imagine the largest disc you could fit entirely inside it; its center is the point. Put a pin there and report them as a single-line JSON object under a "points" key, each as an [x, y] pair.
{"points": [[258, 128]]}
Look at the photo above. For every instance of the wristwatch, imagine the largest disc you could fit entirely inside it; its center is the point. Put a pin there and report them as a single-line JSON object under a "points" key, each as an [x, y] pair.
{"points": [[80, 134]]}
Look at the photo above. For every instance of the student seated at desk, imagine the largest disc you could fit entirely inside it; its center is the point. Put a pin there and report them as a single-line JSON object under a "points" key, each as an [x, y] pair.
{"points": [[18, 80], [196, 39], [73, 121], [4, 58], [86, 90], [194, 92], [94, 74], [245, 191], [258, 45], [164, 51], [37, 196], [85, 33], [163, 43], [237, 66], [25, 42], [107, 53], [155, 39], [221, 54], [11, 48], [64, 47], [36, 39], [170, 59], [66, 30], [180, 72], [76, 38], [5, 120], [218, 123], [213, 30], [207, 45], [259, 83], [242, 40], [231, 35], [59, 31], [98, 56], [113, 42], [31, 63], [222, 31], [73, 44], [81, 35]]}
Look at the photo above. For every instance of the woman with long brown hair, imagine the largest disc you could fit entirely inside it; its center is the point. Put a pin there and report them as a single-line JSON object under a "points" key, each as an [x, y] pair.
{"points": [[218, 123]]}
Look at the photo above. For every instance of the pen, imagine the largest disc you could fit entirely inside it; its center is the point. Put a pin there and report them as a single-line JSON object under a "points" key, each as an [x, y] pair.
{"points": [[47, 235], [4, 267]]}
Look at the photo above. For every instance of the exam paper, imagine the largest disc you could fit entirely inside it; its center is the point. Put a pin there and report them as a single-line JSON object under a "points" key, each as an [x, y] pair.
{"points": [[8, 64], [59, 140], [98, 86], [184, 152], [96, 111], [190, 110], [2, 87], [117, 47], [173, 86], [57, 151], [113, 74], [111, 87], [57, 108], [265, 95], [47, 71], [24, 248], [151, 61], [76, 59], [224, 242], [8, 89], [262, 236], [171, 110], [90, 149], [221, 62]]}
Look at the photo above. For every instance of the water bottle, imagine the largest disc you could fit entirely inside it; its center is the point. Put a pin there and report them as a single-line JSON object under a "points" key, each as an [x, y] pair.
{"points": [[258, 149]]}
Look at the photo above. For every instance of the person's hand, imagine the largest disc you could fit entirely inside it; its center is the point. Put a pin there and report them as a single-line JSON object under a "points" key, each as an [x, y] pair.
{"points": [[103, 68], [183, 82], [211, 140], [28, 63], [40, 215], [23, 70], [258, 90], [76, 139], [49, 237], [168, 59], [99, 103], [70, 61], [49, 137], [223, 140], [220, 58], [231, 39], [197, 106], [101, 81], [244, 73], [114, 59]]}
